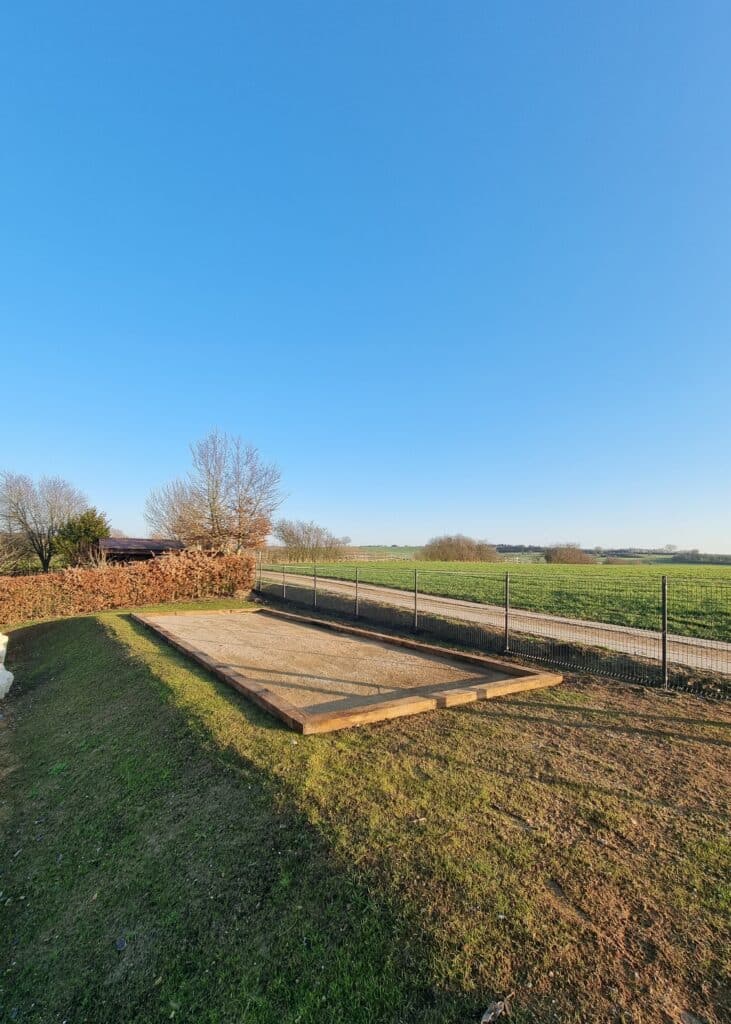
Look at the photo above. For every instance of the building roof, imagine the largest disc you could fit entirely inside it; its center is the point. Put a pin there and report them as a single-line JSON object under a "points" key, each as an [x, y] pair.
{"points": [[138, 546]]}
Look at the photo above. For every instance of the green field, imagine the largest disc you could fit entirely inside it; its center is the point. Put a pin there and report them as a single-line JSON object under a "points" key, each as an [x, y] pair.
{"points": [[388, 551], [168, 852], [699, 597]]}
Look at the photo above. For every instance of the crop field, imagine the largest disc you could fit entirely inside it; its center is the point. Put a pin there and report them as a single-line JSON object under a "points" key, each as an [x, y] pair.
{"points": [[699, 597], [388, 551]]}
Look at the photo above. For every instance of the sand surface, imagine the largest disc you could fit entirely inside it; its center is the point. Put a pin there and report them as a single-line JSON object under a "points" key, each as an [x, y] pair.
{"points": [[317, 668]]}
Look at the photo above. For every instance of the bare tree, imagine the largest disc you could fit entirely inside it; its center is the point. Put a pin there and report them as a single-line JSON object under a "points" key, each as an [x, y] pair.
{"points": [[225, 503], [308, 542], [33, 513], [13, 551]]}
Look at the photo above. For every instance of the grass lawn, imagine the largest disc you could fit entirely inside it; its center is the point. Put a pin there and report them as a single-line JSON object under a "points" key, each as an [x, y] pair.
{"points": [[168, 852], [699, 601]]}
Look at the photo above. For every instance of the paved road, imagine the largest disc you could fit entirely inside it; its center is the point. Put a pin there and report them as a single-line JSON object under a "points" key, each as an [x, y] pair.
{"points": [[712, 655]]}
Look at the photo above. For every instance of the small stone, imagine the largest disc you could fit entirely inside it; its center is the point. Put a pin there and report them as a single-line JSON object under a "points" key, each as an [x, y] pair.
{"points": [[120, 944]]}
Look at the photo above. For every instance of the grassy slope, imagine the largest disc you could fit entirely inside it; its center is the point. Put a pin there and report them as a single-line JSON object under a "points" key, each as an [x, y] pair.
{"points": [[570, 844], [626, 595]]}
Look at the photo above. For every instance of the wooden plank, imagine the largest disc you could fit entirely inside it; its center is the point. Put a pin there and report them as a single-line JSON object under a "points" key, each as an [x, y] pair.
{"points": [[329, 721], [451, 698], [201, 611], [499, 688]]}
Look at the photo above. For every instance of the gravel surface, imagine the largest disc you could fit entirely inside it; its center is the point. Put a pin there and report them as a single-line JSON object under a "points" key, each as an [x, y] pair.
{"points": [[312, 667]]}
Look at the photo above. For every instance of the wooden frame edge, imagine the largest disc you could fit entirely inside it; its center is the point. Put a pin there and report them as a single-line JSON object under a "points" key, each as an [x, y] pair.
{"points": [[313, 722]]}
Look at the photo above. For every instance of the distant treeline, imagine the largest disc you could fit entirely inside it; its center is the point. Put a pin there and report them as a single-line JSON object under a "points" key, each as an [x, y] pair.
{"points": [[699, 558], [519, 549], [693, 557]]}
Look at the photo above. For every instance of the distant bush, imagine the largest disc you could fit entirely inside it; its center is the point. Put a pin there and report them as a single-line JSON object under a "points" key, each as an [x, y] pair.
{"points": [[568, 554], [180, 577], [458, 548]]}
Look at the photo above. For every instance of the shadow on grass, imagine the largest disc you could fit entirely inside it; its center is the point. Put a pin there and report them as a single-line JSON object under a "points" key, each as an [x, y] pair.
{"points": [[164, 874], [615, 712], [629, 730]]}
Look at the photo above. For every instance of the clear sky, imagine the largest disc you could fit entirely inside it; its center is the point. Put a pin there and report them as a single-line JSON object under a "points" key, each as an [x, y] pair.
{"points": [[453, 266]]}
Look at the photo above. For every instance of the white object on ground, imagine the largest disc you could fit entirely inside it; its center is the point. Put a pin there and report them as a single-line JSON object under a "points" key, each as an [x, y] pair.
{"points": [[6, 678]]}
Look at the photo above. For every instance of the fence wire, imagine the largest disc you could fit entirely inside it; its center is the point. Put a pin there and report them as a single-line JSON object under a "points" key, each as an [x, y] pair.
{"points": [[638, 629]]}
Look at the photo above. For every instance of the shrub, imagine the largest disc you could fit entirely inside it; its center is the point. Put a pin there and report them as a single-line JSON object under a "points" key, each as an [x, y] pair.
{"points": [[76, 539], [458, 548], [175, 577], [568, 554]]}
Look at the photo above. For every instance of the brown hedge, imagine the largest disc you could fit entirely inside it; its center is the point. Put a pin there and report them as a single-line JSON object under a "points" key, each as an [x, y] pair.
{"points": [[176, 577]]}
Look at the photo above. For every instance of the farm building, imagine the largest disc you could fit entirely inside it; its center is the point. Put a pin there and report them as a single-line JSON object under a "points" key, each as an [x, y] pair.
{"points": [[135, 549]]}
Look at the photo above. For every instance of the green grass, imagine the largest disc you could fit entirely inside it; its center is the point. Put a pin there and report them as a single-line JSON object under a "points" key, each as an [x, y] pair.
{"points": [[569, 844], [628, 595], [388, 551]]}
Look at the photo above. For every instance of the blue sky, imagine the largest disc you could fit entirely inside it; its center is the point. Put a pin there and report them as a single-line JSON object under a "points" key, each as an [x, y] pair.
{"points": [[453, 266]]}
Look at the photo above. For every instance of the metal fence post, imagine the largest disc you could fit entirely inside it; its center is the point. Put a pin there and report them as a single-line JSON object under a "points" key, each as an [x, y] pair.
{"points": [[506, 646], [284, 586], [416, 600], [314, 589], [665, 632], [357, 609]]}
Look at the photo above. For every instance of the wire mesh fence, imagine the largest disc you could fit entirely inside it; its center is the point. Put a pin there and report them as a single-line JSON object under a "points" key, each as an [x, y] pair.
{"points": [[668, 631]]}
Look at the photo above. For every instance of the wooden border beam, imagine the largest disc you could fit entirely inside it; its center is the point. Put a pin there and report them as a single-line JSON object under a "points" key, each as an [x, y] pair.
{"points": [[519, 678]]}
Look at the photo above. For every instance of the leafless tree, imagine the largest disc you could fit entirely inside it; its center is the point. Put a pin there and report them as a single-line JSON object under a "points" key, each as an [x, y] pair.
{"points": [[225, 503], [12, 551], [33, 513], [308, 542]]}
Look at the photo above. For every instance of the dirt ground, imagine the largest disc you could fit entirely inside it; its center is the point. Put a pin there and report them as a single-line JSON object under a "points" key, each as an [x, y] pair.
{"points": [[315, 668]]}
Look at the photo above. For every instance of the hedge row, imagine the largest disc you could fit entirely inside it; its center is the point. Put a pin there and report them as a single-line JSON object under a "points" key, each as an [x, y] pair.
{"points": [[176, 577]]}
